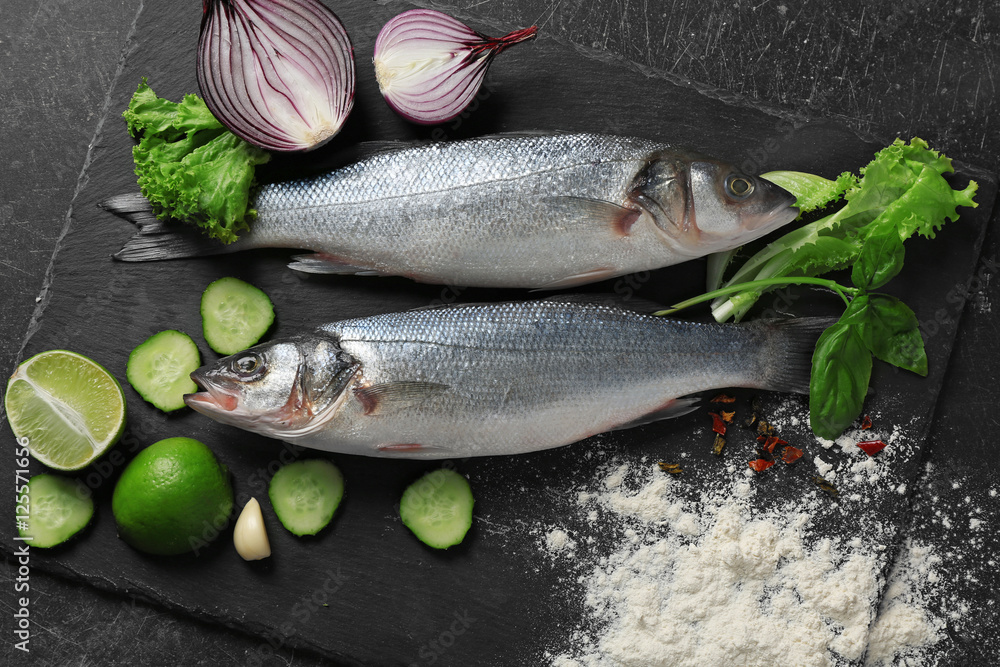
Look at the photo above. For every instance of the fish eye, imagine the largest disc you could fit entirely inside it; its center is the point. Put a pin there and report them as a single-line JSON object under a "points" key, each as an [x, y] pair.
{"points": [[739, 187], [247, 364]]}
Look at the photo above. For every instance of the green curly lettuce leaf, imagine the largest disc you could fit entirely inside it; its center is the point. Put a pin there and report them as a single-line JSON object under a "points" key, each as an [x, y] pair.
{"points": [[903, 188], [902, 192], [189, 166]]}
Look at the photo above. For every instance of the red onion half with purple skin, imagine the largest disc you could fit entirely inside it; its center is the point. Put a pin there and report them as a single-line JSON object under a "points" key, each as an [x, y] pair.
{"points": [[278, 73], [429, 65]]}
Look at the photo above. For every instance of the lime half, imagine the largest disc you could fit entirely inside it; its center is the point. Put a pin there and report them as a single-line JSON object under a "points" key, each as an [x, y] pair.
{"points": [[68, 407]]}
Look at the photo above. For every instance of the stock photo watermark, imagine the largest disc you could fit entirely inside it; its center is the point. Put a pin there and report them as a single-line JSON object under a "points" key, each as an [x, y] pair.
{"points": [[431, 651], [453, 630], [257, 481], [298, 615], [21, 557]]}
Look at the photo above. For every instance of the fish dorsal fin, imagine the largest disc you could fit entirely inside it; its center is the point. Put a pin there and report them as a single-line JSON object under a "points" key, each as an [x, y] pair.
{"points": [[621, 302], [367, 149], [381, 398], [678, 407], [447, 306], [525, 134]]}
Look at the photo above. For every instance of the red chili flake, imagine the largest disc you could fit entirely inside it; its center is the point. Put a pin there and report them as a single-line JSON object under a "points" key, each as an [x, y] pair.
{"points": [[718, 425], [771, 442], [760, 465], [728, 416], [866, 422], [723, 398], [871, 447], [791, 454]]}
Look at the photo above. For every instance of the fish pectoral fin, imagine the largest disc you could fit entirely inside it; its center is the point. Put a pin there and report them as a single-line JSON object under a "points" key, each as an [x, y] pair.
{"points": [[378, 399], [592, 213], [674, 408], [328, 264], [592, 276]]}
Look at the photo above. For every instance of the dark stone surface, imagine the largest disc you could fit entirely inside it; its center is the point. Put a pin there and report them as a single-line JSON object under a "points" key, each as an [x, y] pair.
{"points": [[911, 68]]}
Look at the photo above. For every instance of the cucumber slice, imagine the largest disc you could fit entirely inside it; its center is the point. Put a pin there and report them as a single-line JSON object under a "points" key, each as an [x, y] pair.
{"points": [[438, 508], [57, 510], [160, 369], [305, 494], [234, 315]]}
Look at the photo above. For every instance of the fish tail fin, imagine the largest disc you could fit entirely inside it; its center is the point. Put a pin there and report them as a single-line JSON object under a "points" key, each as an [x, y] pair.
{"points": [[787, 352], [156, 239]]}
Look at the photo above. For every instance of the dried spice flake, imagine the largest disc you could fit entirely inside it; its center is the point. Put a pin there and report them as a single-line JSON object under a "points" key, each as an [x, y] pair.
{"points": [[720, 442], [866, 423], [718, 425], [727, 416], [723, 398], [791, 454], [770, 442], [760, 465], [672, 468], [826, 486], [764, 428], [871, 447]]}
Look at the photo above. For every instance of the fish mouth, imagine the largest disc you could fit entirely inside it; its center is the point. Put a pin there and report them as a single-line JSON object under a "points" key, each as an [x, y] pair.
{"points": [[779, 216], [781, 213], [213, 399]]}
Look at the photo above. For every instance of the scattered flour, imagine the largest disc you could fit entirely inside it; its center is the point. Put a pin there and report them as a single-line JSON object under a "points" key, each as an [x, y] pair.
{"points": [[714, 582], [689, 576], [558, 541], [903, 624]]}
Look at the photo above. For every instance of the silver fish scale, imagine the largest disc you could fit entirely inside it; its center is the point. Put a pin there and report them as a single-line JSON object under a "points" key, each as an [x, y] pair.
{"points": [[489, 211], [433, 167], [525, 376]]}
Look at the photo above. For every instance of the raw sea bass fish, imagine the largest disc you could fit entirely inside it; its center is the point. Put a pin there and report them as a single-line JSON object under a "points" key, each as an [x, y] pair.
{"points": [[540, 211], [492, 379]]}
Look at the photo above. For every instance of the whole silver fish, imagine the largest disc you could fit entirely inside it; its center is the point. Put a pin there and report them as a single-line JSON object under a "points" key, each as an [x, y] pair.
{"points": [[540, 211], [492, 379]]}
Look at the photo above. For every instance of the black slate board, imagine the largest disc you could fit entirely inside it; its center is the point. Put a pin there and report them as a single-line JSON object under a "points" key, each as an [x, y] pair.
{"points": [[387, 597]]}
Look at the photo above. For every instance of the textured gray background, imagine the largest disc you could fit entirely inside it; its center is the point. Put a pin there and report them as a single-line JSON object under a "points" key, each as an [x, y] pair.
{"points": [[904, 68]]}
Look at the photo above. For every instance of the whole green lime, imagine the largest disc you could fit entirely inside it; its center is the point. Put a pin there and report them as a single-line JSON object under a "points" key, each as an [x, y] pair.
{"points": [[173, 497]]}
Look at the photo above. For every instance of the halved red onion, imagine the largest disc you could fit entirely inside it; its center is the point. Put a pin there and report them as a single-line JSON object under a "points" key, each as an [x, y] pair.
{"points": [[429, 65], [277, 73]]}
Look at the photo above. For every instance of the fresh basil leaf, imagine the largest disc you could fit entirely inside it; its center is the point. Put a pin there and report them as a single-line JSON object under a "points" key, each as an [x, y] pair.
{"points": [[893, 334], [856, 311], [880, 259], [841, 369]]}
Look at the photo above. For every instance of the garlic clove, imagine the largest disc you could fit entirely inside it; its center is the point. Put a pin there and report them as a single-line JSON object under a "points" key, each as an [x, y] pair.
{"points": [[250, 535]]}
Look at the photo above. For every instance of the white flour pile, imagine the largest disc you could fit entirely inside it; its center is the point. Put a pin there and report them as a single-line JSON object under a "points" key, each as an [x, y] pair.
{"points": [[720, 584], [715, 580]]}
